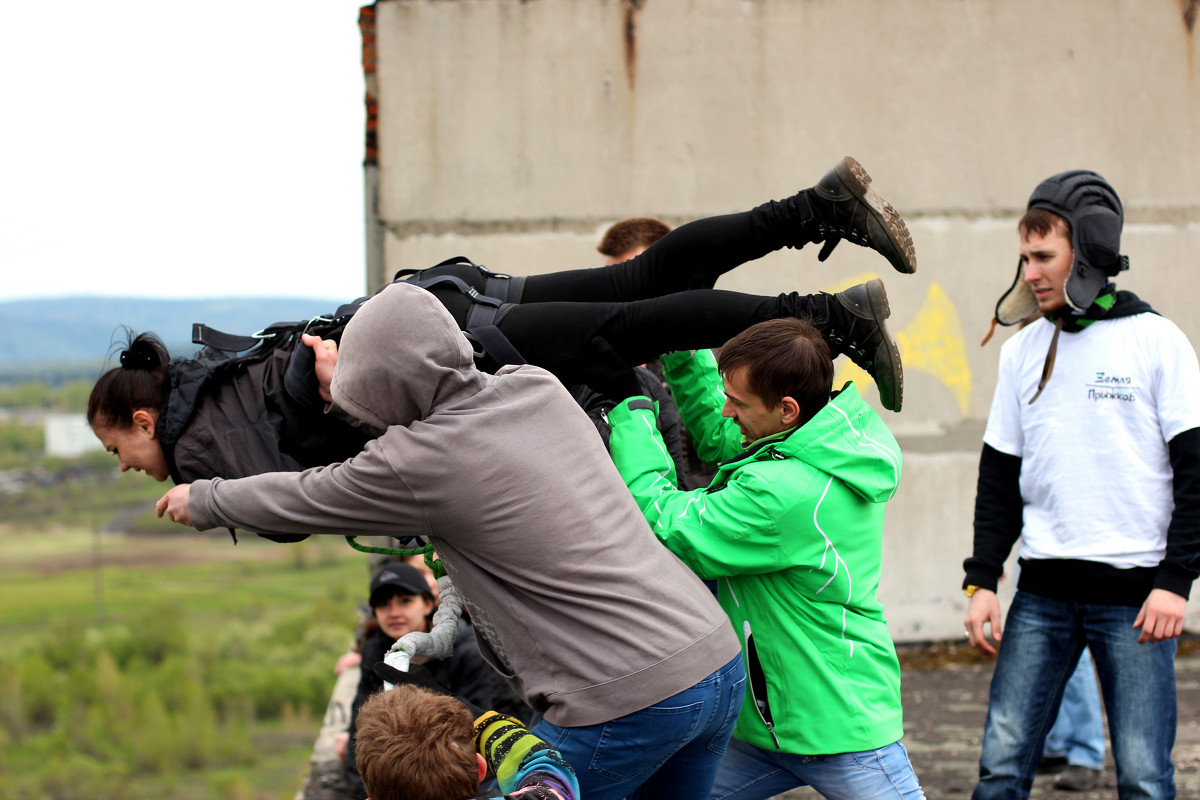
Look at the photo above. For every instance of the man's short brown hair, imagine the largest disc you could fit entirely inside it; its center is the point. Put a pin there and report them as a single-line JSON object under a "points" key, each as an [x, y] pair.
{"points": [[782, 358], [1040, 222], [632, 234], [414, 744]]}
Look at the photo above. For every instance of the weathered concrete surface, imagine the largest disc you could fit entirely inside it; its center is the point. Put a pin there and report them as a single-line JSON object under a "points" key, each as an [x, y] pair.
{"points": [[944, 710], [514, 132]]}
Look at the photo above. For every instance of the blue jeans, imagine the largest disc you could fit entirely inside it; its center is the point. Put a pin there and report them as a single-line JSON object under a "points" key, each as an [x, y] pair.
{"points": [[1042, 642], [1078, 732], [668, 750], [751, 773]]}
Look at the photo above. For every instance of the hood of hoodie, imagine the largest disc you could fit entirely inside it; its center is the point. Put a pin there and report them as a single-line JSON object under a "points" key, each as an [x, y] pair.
{"points": [[848, 440], [401, 356]]}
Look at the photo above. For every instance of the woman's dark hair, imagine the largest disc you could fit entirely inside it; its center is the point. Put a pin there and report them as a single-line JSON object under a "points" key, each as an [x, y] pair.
{"points": [[140, 382]]}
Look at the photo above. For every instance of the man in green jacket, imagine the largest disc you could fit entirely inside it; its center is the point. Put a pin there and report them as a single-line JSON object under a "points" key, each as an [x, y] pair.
{"points": [[791, 528]]}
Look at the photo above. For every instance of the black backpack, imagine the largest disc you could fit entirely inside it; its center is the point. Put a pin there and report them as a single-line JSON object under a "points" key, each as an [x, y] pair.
{"points": [[308, 435], [287, 381]]}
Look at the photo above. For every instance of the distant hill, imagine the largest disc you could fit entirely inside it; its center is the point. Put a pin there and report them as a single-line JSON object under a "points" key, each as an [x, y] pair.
{"points": [[44, 334]]}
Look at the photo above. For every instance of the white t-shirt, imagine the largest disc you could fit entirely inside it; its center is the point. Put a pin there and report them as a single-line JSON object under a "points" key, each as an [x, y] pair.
{"points": [[1095, 468]]}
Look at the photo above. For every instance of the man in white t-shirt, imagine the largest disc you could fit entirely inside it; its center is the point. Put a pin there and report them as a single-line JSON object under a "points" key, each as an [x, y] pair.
{"points": [[1092, 457]]}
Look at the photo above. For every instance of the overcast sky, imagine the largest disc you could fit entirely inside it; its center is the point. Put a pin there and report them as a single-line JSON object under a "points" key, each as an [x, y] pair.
{"points": [[181, 149]]}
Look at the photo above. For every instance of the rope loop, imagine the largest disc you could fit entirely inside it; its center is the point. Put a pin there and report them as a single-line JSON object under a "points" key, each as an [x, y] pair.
{"points": [[425, 550]]}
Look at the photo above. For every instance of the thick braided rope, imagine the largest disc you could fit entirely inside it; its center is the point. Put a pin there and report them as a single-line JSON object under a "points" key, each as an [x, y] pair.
{"points": [[439, 642]]}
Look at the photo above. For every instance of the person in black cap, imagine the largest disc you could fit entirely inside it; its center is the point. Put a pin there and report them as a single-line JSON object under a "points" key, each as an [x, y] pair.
{"points": [[402, 602], [1092, 457]]}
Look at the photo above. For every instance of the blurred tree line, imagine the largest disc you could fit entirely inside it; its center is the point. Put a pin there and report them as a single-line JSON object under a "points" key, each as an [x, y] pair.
{"points": [[128, 709], [71, 396]]}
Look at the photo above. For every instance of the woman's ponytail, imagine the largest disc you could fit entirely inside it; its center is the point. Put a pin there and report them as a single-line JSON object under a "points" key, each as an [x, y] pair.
{"points": [[139, 383], [146, 352]]}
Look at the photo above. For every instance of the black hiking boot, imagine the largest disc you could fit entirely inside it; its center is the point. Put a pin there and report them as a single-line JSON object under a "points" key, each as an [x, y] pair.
{"points": [[844, 206], [853, 323]]}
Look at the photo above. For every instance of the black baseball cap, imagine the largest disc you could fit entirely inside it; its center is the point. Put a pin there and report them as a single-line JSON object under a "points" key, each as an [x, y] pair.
{"points": [[398, 578]]}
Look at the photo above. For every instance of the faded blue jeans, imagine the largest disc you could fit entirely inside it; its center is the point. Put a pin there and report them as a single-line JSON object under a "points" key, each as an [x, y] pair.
{"points": [[1043, 639], [1078, 732], [668, 751], [752, 773]]}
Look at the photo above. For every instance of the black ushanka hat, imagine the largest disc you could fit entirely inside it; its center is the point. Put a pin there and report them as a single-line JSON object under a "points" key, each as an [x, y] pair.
{"points": [[1094, 211]]}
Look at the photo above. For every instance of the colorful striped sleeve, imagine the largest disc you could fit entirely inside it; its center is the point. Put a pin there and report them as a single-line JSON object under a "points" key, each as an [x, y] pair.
{"points": [[524, 765]]}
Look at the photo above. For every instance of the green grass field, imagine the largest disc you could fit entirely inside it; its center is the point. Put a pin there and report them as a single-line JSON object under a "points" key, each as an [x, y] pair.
{"points": [[163, 663]]}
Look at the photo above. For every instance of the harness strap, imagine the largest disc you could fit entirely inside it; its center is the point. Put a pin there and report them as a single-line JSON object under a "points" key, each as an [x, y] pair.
{"points": [[480, 324], [464, 287], [499, 286], [219, 340], [496, 345]]}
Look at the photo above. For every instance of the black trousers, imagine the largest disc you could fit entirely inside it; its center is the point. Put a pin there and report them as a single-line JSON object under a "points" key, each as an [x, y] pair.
{"points": [[654, 303]]}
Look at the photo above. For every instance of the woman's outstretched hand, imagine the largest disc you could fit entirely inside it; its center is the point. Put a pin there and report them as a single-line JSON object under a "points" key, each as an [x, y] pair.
{"points": [[174, 504]]}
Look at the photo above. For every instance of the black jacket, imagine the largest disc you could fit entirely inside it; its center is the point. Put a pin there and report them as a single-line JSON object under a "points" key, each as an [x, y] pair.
{"points": [[464, 674]]}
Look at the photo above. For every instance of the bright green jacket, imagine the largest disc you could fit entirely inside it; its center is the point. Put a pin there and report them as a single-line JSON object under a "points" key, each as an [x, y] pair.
{"points": [[792, 529]]}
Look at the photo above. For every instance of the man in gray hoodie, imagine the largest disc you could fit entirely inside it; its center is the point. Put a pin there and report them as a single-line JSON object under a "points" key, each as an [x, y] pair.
{"points": [[628, 656]]}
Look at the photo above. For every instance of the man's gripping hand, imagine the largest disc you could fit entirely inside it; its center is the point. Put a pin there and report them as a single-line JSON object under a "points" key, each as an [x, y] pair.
{"points": [[326, 353], [174, 504], [1161, 617], [984, 609]]}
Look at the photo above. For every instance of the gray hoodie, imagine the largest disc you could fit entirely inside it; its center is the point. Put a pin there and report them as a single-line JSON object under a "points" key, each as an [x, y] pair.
{"points": [[573, 599]]}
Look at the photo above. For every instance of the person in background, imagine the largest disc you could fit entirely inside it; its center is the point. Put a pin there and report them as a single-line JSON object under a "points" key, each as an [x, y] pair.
{"points": [[352, 659], [622, 241], [1075, 744], [630, 237], [402, 602], [418, 742], [1091, 457]]}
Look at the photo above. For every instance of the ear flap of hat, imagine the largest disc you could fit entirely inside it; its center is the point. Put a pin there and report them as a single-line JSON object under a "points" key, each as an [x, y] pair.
{"points": [[1018, 303], [1094, 211], [1097, 239]]}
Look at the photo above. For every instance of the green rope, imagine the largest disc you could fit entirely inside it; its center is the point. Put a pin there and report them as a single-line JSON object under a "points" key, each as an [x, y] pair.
{"points": [[426, 550]]}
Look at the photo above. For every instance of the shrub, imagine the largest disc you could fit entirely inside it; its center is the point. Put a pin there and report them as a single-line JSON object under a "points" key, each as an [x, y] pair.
{"points": [[14, 716], [154, 748], [42, 689], [132, 706], [75, 776]]}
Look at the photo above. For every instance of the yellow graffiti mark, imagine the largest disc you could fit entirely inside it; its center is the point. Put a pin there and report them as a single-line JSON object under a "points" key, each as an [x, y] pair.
{"points": [[847, 370], [932, 343]]}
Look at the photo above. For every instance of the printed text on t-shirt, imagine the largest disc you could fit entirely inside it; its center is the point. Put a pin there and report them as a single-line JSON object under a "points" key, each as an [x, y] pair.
{"points": [[1112, 387]]}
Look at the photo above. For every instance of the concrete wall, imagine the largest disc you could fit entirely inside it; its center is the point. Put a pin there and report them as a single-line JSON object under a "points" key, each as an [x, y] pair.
{"points": [[514, 132]]}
